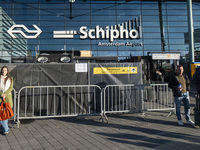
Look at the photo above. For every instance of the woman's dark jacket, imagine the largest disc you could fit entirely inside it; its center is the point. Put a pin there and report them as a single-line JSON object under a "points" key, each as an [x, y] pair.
{"points": [[173, 84]]}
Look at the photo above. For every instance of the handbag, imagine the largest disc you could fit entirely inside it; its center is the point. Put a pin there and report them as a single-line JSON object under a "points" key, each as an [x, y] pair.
{"points": [[6, 111]]}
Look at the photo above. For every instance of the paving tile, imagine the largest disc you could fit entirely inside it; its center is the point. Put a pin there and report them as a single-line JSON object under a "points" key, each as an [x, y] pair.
{"points": [[6, 148], [16, 147]]}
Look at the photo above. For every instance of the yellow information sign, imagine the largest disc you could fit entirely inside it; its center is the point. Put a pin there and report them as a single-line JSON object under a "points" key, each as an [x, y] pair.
{"points": [[115, 70]]}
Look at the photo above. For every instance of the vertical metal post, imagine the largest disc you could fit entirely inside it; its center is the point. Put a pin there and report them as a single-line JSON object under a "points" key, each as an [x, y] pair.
{"points": [[115, 96], [95, 101], [82, 107], [112, 99], [130, 104], [167, 97], [161, 26], [54, 101], [15, 105], [108, 100], [25, 102], [190, 32], [68, 99], [75, 100], [104, 100], [47, 101], [123, 95], [70, 17], [89, 99], [157, 96], [119, 98], [40, 101], [33, 102], [61, 101]]}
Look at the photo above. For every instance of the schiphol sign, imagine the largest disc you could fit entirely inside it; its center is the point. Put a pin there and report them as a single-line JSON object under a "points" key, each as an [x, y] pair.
{"points": [[100, 33], [131, 29], [110, 34]]}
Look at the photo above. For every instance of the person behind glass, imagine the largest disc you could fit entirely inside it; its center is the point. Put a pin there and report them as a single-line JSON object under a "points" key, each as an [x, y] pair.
{"points": [[196, 80], [156, 75], [6, 87], [181, 93]]}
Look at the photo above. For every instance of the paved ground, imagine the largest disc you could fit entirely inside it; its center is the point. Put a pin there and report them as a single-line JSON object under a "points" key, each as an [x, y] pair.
{"points": [[152, 130]]}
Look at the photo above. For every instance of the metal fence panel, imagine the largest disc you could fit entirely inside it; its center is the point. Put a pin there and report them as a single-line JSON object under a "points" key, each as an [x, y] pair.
{"points": [[58, 101], [122, 98], [134, 98], [158, 97]]}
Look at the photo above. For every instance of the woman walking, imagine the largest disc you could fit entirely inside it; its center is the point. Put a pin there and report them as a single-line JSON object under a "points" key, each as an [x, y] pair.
{"points": [[6, 87]]}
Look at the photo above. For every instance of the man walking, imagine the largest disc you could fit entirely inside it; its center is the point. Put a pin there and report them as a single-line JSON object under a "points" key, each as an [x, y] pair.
{"points": [[180, 85]]}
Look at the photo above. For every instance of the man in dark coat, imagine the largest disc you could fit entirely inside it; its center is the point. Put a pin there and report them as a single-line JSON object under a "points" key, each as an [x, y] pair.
{"points": [[181, 94]]}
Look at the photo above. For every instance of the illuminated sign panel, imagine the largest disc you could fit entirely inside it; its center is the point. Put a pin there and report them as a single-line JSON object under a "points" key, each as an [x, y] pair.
{"points": [[131, 29], [165, 56], [110, 34]]}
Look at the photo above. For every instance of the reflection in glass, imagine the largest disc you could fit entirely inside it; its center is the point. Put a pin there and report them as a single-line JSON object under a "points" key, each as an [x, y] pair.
{"points": [[164, 26]]}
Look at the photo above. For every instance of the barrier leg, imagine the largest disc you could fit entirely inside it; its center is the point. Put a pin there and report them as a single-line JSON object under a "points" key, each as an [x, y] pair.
{"points": [[18, 122], [102, 117], [170, 113], [173, 112], [106, 118], [14, 122]]}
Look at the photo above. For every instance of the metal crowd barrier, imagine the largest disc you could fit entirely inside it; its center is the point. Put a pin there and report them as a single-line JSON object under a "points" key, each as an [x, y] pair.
{"points": [[58, 101], [135, 98], [120, 98], [74, 100], [158, 97]]}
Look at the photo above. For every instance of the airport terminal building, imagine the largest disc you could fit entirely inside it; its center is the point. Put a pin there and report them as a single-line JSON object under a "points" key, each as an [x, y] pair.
{"points": [[92, 57], [95, 28]]}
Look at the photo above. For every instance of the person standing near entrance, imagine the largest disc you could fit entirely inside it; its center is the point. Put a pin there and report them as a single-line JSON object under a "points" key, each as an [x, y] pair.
{"points": [[196, 80], [6, 87], [180, 85]]}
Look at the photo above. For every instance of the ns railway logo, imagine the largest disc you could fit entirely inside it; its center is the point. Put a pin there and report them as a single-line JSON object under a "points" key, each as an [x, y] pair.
{"points": [[37, 32], [128, 30]]}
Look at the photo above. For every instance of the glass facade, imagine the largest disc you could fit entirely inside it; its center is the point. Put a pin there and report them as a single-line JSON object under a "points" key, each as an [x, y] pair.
{"points": [[151, 26]]}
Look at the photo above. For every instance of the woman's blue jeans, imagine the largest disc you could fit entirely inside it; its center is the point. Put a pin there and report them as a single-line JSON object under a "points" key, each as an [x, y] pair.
{"points": [[186, 102], [4, 126]]}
